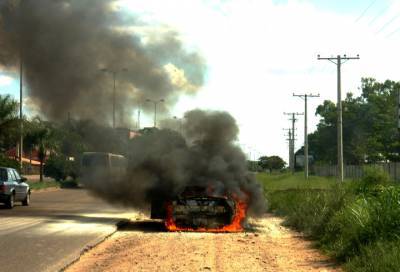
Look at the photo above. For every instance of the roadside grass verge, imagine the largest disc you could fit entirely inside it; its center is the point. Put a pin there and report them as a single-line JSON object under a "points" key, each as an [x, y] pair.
{"points": [[37, 185], [357, 222], [286, 181]]}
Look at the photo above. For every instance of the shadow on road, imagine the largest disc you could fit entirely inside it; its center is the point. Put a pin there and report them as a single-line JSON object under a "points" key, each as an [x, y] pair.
{"points": [[74, 218], [142, 226]]}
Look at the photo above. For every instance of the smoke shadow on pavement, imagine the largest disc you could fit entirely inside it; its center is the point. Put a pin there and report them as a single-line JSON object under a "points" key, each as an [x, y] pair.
{"points": [[142, 226]]}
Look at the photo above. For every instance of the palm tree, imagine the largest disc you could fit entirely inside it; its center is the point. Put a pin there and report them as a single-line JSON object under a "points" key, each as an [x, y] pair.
{"points": [[41, 135], [8, 120]]}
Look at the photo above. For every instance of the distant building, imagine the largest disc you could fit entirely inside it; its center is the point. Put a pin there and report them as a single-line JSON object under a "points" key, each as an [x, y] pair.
{"points": [[30, 161], [126, 133], [299, 160]]}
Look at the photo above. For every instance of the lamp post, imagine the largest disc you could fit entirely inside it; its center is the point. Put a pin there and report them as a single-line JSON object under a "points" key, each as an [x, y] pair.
{"points": [[114, 73], [155, 102], [21, 123], [179, 120]]}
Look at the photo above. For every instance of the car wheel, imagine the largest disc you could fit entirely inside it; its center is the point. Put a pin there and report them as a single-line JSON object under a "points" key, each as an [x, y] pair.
{"points": [[27, 200], [10, 202]]}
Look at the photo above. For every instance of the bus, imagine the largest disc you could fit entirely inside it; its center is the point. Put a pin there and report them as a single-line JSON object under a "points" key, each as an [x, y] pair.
{"points": [[104, 165]]}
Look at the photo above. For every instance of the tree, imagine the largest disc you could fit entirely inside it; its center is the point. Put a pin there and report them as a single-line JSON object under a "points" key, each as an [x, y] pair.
{"points": [[271, 163], [8, 121], [41, 135], [369, 126]]}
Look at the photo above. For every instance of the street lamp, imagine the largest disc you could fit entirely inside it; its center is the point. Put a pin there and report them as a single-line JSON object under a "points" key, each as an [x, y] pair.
{"points": [[114, 73], [155, 102], [179, 120]]}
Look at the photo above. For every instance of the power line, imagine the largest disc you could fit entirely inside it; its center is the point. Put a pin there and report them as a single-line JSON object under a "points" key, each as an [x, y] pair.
{"points": [[378, 15], [338, 62], [388, 23], [365, 11], [392, 33]]}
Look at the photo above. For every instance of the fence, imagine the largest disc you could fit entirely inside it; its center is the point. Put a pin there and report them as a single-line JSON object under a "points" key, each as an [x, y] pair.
{"points": [[357, 171]]}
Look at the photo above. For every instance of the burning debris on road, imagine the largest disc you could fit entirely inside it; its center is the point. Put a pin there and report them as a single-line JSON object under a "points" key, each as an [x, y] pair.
{"points": [[164, 167]]}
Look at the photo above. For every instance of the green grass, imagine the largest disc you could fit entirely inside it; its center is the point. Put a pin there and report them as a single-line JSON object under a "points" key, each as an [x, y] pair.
{"points": [[37, 185], [357, 222], [286, 181]]}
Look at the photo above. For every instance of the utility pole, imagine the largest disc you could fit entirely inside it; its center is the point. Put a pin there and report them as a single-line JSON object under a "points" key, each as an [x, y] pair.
{"points": [[305, 96], [293, 119], [398, 110], [338, 61], [155, 102], [21, 124], [290, 140], [179, 120], [138, 119], [113, 105], [114, 73]]}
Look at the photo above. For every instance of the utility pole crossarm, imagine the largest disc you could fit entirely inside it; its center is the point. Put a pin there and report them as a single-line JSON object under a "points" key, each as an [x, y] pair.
{"points": [[344, 57]]}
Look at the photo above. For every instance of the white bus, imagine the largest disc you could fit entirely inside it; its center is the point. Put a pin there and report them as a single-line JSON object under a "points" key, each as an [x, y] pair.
{"points": [[101, 164]]}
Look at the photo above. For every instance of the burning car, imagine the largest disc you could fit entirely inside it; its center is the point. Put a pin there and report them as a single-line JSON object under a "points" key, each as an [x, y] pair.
{"points": [[200, 209]]}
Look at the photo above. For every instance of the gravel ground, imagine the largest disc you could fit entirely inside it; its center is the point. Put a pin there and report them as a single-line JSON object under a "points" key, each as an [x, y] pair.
{"points": [[144, 246]]}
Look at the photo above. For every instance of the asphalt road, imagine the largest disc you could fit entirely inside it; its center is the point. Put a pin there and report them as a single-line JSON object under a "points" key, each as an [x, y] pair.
{"points": [[54, 229]]}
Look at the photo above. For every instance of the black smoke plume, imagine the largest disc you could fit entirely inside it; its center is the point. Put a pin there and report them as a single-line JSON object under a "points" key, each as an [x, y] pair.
{"points": [[64, 45], [163, 163]]}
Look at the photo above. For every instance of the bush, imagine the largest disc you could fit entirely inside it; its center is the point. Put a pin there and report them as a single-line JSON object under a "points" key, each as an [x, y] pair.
{"points": [[374, 176], [7, 162], [307, 210], [360, 228], [381, 256], [59, 168]]}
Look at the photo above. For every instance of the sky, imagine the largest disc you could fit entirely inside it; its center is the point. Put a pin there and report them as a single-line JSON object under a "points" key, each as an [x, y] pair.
{"points": [[259, 52]]}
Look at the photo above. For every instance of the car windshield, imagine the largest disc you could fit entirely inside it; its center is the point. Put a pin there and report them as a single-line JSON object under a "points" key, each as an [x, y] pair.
{"points": [[3, 174]]}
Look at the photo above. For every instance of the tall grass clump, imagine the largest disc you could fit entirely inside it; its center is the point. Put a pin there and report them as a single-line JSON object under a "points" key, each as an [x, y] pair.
{"points": [[370, 218], [307, 210], [382, 256], [357, 223]]}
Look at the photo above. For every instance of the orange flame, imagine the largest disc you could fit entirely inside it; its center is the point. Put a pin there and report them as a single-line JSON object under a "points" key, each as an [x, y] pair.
{"points": [[234, 226]]}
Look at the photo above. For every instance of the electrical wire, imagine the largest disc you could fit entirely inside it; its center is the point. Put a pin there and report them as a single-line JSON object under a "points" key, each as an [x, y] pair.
{"points": [[379, 15], [365, 11], [388, 23]]}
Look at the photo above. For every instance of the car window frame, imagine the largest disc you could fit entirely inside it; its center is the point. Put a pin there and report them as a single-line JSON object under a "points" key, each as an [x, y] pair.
{"points": [[17, 175]]}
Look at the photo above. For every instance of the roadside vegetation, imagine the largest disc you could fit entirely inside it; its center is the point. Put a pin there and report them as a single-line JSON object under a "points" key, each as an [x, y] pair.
{"points": [[43, 185], [357, 222], [66, 184]]}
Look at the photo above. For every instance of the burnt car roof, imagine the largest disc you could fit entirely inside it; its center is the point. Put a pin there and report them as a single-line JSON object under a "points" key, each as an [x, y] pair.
{"points": [[200, 192]]}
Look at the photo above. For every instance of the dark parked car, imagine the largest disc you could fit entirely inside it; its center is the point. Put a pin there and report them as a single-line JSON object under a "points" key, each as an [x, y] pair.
{"points": [[13, 188]]}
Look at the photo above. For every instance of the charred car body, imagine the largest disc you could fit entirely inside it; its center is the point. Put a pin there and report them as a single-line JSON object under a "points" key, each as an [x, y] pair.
{"points": [[200, 209]]}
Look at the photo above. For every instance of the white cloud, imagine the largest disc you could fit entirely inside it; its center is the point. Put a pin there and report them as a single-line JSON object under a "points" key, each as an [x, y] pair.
{"points": [[258, 53], [5, 80]]}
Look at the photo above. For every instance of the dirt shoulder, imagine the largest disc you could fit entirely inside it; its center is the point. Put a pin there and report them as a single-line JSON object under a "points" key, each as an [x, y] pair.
{"points": [[143, 246]]}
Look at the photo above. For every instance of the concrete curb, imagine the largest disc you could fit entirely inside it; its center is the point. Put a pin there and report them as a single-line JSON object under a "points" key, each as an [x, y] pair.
{"points": [[75, 257]]}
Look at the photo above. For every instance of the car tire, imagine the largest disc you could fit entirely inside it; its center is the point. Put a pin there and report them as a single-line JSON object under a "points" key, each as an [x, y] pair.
{"points": [[27, 199], [10, 201]]}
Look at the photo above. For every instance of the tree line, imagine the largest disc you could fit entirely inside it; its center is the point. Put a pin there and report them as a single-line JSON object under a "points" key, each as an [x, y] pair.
{"points": [[370, 126], [53, 142]]}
